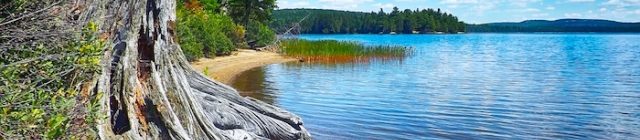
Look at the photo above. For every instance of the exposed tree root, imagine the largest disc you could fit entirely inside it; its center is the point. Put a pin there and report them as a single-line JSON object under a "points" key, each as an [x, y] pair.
{"points": [[151, 92]]}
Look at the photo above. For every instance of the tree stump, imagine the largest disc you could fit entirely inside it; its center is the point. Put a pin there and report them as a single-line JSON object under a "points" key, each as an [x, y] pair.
{"points": [[151, 91]]}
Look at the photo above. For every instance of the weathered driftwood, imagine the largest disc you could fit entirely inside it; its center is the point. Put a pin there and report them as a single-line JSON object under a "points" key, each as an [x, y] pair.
{"points": [[151, 92]]}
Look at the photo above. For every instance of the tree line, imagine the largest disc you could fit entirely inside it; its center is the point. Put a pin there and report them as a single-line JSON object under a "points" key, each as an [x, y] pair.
{"points": [[346, 22], [510, 28], [561, 25]]}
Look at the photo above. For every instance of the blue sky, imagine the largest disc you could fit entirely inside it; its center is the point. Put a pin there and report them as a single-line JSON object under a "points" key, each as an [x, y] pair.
{"points": [[484, 11]]}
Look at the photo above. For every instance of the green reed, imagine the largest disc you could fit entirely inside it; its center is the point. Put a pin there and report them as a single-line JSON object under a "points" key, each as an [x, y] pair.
{"points": [[341, 51]]}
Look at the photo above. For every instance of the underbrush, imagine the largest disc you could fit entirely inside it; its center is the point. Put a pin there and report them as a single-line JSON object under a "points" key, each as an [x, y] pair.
{"points": [[41, 86]]}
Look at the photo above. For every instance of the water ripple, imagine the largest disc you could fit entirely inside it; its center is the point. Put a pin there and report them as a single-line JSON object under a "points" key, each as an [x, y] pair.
{"points": [[476, 86]]}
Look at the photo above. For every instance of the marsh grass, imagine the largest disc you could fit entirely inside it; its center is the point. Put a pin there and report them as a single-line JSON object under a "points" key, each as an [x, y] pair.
{"points": [[341, 51]]}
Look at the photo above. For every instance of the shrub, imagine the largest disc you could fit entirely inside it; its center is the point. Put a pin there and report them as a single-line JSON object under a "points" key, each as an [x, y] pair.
{"points": [[265, 35], [223, 45], [40, 97], [206, 34], [261, 33], [192, 51], [188, 42], [231, 30]]}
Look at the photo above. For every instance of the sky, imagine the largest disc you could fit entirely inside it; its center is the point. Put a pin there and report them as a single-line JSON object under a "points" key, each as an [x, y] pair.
{"points": [[486, 11]]}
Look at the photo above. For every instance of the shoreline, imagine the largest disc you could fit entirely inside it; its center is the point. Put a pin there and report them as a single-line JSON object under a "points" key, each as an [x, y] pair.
{"points": [[226, 68]]}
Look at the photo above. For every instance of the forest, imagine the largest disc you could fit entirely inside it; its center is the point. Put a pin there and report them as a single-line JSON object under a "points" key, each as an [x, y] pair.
{"points": [[561, 25], [408, 21]]}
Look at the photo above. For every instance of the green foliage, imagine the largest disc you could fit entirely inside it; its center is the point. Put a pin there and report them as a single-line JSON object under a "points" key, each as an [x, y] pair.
{"points": [[203, 33], [234, 32], [253, 14], [38, 88], [345, 22], [192, 51], [266, 35], [191, 48], [206, 71], [218, 44], [245, 11], [261, 33], [9, 8], [210, 5]]}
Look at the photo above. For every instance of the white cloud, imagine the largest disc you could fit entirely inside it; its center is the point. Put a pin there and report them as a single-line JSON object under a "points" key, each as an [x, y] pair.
{"points": [[581, 0], [528, 10], [572, 15], [522, 3], [350, 5], [540, 15], [551, 8], [484, 6], [380, 5], [618, 14], [622, 3], [283, 4], [458, 2], [411, 0]]}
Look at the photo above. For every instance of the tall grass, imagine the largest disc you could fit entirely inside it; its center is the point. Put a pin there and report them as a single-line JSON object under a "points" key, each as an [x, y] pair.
{"points": [[341, 51]]}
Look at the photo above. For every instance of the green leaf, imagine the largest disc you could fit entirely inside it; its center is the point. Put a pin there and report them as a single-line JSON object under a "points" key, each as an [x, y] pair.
{"points": [[55, 127], [53, 100], [24, 118]]}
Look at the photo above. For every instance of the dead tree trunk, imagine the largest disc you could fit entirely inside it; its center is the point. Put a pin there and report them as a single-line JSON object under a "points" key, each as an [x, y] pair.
{"points": [[151, 92]]}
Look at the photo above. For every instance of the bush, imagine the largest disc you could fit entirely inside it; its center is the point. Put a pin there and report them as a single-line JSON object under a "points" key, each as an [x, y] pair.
{"points": [[203, 33], [41, 98], [192, 51], [261, 33], [266, 36], [231, 30], [222, 44], [190, 47]]}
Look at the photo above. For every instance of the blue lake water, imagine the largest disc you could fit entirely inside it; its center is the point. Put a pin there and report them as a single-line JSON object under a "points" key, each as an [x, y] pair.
{"points": [[470, 86]]}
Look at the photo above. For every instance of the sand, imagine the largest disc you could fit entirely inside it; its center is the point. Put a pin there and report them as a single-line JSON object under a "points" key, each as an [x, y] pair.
{"points": [[226, 68]]}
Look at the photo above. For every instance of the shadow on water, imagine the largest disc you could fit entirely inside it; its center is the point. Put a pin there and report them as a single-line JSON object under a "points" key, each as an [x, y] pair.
{"points": [[252, 83]]}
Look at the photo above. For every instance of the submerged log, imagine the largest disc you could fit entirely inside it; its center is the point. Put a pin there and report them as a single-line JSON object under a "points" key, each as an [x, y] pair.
{"points": [[151, 91]]}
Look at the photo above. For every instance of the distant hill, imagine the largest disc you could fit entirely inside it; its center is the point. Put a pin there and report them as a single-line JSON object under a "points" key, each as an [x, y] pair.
{"points": [[561, 25], [408, 21]]}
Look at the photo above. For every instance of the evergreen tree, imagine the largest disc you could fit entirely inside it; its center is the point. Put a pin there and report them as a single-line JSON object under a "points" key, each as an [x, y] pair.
{"points": [[343, 22]]}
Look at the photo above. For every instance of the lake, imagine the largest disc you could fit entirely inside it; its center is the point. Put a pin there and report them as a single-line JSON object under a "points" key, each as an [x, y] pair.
{"points": [[468, 86]]}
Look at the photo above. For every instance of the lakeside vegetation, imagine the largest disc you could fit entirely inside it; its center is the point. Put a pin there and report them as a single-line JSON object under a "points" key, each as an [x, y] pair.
{"points": [[341, 51], [46, 66], [346, 22], [561, 25], [205, 29]]}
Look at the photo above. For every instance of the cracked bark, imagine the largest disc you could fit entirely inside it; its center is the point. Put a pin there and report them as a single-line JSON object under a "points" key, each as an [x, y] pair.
{"points": [[151, 92]]}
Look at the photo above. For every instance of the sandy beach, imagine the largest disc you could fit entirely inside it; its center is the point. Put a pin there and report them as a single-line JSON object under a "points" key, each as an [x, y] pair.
{"points": [[226, 68]]}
